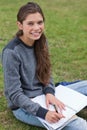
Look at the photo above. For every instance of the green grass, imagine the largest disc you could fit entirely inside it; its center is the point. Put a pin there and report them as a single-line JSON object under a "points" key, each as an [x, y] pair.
{"points": [[66, 30]]}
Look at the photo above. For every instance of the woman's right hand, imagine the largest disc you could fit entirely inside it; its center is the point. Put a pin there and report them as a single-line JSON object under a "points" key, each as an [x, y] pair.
{"points": [[53, 117]]}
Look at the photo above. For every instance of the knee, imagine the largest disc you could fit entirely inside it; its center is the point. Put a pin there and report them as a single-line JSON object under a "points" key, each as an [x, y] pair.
{"points": [[80, 124], [77, 124]]}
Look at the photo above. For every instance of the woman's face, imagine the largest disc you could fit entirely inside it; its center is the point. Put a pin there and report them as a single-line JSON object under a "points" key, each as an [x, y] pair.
{"points": [[32, 27]]}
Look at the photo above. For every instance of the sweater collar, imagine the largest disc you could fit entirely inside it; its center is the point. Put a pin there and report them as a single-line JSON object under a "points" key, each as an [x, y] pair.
{"points": [[19, 40]]}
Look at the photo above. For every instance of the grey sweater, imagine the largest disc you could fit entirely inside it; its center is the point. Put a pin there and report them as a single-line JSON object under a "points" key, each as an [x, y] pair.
{"points": [[21, 82]]}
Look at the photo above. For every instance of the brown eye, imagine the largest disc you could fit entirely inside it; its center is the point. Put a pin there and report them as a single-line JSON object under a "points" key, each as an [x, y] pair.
{"points": [[40, 22], [31, 23]]}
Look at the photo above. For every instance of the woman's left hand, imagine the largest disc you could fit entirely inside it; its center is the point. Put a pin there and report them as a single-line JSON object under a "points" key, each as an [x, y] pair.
{"points": [[51, 99]]}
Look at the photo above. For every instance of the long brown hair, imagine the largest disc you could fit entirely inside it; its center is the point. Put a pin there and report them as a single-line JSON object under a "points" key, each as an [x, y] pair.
{"points": [[43, 68]]}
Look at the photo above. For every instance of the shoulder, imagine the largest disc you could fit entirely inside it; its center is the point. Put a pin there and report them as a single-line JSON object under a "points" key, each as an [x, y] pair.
{"points": [[12, 44], [10, 50]]}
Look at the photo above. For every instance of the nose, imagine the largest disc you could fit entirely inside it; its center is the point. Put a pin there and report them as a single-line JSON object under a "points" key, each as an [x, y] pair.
{"points": [[36, 26]]}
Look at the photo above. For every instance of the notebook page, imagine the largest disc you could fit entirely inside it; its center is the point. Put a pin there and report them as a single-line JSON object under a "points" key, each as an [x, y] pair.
{"points": [[71, 98], [68, 113]]}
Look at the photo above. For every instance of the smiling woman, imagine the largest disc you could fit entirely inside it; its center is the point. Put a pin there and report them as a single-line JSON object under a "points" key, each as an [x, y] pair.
{"points": [[27, 72], [32, 27], [31, 32]]}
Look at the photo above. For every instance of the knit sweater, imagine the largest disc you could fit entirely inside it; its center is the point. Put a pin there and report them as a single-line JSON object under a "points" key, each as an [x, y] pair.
{"points": [[21, 82]]}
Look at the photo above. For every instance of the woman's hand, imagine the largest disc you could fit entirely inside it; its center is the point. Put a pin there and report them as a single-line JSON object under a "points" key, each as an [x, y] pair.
{"points": [[51, 99], [53, 117]]}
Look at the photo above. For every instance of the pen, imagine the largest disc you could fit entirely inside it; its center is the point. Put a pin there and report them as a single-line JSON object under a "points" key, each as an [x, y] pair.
{"points": [[55, 108]]}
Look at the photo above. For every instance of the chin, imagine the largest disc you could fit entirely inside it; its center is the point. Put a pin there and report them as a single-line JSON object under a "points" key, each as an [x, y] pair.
{"points": [[36, 38]]}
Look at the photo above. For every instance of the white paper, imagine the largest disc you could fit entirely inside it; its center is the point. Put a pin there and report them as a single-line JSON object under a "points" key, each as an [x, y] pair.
{"points": [[73, 100]]}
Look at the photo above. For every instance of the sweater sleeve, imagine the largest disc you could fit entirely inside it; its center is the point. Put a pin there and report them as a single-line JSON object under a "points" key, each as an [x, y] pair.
{"points": [[50, 88], [13, 86]]}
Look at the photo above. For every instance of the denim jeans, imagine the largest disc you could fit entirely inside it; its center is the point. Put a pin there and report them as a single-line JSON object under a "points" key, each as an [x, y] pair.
{"points": [[76, 124]]}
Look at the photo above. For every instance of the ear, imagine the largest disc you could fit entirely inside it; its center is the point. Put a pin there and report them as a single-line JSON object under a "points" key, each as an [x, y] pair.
{"points": [[20, 26]]}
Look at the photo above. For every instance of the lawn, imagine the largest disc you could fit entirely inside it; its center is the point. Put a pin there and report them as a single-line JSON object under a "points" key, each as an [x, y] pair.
{"points": [[66, 31]]}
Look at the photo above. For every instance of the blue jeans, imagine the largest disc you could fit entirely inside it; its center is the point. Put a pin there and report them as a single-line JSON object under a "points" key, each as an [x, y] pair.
{"points": [[76, 124]]}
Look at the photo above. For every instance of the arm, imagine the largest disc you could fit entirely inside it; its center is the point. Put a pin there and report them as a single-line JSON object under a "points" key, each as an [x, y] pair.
{"points": [[13, 86], [49, 91], [50, 88]]}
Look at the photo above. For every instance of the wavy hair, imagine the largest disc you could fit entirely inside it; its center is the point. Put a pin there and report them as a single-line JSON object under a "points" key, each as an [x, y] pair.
{"points": [[43, 68]]}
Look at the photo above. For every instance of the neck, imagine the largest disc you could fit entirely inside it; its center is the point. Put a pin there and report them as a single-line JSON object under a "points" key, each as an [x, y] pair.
{"points": [[28, 42]]}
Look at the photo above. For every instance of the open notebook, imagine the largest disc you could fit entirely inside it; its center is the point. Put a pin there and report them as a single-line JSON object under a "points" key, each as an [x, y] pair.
{"points": [[73, 100]]}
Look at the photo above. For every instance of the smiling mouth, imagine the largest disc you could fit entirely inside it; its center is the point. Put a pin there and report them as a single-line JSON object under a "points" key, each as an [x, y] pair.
{"points": [[36, 33]]}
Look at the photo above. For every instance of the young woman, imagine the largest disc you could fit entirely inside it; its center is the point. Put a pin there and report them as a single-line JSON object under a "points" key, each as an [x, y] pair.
{"points": [[27, 72]]}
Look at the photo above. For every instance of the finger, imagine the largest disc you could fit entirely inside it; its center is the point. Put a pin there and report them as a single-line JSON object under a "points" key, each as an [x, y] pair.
{"points": [[55, 118], [60, 109], [61, 106], [47, 103], [59, 116], [60, 102]]}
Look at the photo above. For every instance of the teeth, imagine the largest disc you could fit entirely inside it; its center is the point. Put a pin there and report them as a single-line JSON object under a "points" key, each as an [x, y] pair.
{"points": [[36, 33]]}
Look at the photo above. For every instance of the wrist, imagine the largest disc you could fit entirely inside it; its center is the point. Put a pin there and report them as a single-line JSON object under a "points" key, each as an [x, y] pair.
{"points": [[41, 112]]}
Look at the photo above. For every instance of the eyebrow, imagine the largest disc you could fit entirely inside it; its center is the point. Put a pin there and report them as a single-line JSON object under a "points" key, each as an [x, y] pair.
{"points": [[35, 21]]}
